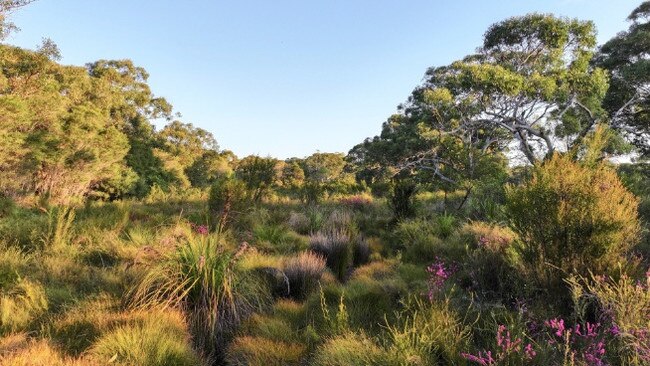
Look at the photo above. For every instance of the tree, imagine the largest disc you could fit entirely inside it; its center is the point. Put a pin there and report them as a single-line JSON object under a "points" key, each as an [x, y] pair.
{"points": [[211, 166], [628, 98], [61, 137], [259, 174], [6, 7]]}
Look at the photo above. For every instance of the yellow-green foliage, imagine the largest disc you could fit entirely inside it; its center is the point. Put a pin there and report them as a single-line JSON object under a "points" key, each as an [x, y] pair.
{"points": [[21, 304], [627, 302], [158, 340], [427, 334], [256, 351], [19, 350], [349, 349], [487, 236], [576, 217]]}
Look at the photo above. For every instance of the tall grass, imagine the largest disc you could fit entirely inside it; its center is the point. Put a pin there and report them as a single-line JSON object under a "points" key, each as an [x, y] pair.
{"points": [[303, 273], [337, 250], [60, 221], [200, 278]]}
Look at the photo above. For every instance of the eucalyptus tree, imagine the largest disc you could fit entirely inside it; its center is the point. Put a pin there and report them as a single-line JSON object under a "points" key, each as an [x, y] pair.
{"points": [[627, 58]]}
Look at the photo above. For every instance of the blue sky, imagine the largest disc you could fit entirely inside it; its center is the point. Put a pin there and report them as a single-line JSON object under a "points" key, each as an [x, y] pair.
{"points": [[286, 78]]}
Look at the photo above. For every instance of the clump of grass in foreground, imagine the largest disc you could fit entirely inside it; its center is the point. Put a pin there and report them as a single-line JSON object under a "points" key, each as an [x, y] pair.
{"points": [[349, 349], [160, 340], [336, 248], [200, 278], [19, 350], [303, 273], [255, 351], [21, 304]]}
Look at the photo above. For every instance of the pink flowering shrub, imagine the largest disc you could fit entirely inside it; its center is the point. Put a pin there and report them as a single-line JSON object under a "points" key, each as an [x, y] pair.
{"points": [[508, 350], [200, 229], [582, 344], [439, 273]]}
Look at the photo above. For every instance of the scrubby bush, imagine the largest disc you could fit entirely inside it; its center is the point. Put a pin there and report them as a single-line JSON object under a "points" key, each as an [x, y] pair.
{"points": [[402, 199], [303, 273], [160, 340], [427, 334], [572, 218]]}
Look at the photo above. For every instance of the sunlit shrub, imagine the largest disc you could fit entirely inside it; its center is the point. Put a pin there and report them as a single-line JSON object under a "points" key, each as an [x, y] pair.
{"points": [[278, 238], [572, 217]]}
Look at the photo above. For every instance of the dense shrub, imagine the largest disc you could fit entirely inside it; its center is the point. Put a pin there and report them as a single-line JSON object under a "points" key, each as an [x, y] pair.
{"points": [[572, 217], [402, 199], [303, 273], [278, 238]]}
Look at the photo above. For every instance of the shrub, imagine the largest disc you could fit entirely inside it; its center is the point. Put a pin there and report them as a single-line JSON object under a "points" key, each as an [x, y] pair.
{"points": [[159, 340], [303, 273], [336, 248], [357, 202], [402, 199], [227, 199], [256, 351], [574, 217], [200, 277], [361, 254], [350, 349]]}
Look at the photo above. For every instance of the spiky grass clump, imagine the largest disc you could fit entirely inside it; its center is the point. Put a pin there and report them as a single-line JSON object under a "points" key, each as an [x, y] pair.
{"points": [[349, 349], [303, 273], [256, 351], [160, 339], [200, 278], [21, 304], [336, 248]]}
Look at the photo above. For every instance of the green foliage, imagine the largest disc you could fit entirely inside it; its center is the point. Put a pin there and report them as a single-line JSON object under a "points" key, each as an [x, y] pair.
{"points": [[573, 219], [353, 349], [228, 197], [402, 199], [337, 249], [20, 304], [259, 175]]}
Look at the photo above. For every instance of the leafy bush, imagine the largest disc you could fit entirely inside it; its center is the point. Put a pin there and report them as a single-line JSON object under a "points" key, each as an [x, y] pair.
{"points": [[303, 273], [402, 199], [159, 340], [574, 217]]}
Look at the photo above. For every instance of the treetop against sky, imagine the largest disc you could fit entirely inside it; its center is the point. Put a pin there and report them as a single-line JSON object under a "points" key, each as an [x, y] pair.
{"points": [[286, 78]]}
